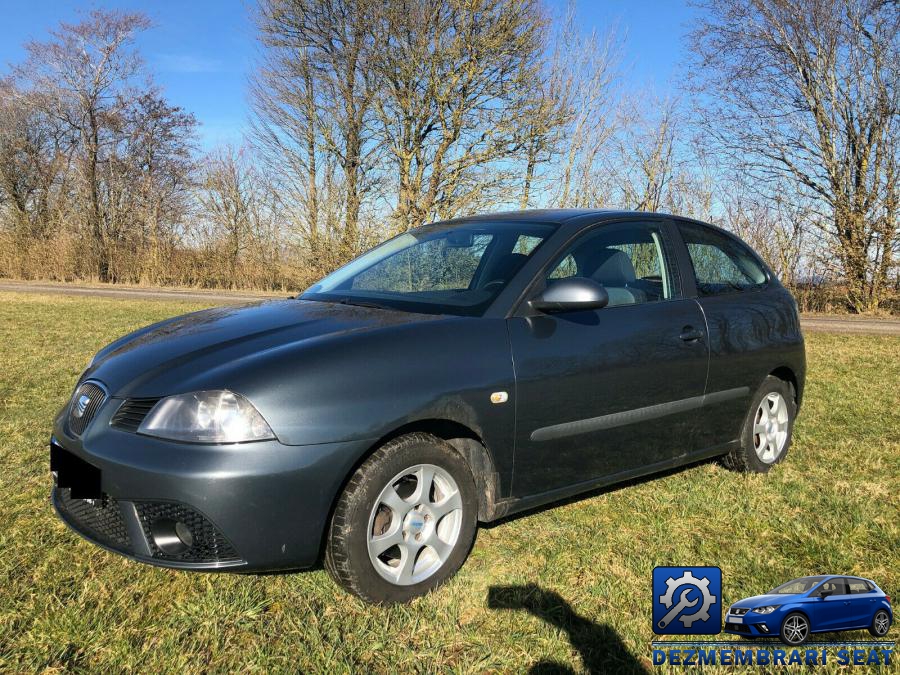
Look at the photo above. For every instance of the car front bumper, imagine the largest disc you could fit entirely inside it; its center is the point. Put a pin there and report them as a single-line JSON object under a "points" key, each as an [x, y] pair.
{"points": [[241, 507], [754, 625]]}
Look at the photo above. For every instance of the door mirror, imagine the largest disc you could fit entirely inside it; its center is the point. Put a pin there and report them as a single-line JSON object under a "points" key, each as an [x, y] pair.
{"points": [[572, 294], [825, 594]]}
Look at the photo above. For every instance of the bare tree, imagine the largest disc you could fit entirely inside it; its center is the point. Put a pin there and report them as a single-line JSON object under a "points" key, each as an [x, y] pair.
{"points": [[87, 70], [240, 208], [590, 84], [808, 90], [312, 97], [645, 163], [35, 151], [454, 81]]}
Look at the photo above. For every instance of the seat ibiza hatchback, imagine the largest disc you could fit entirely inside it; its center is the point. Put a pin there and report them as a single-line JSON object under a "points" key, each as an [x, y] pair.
{"points": [[455, 374], [818, 604]]}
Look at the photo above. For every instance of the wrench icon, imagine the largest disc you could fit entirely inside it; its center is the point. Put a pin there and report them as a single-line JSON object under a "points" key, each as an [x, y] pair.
{"points": [[680, 605]]}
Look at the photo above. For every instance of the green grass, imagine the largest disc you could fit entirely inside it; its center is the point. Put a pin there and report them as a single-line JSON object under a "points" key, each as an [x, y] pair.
{"points": [[582, 569]]}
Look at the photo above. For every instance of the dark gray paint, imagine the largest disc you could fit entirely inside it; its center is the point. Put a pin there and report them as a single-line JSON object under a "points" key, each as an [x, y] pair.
{"points": [[335, 380]]}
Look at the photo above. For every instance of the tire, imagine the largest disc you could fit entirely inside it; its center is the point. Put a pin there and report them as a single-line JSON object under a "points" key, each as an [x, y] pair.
{"points": [[759, 452], [881, 623], [794, 629], [437, 524]]}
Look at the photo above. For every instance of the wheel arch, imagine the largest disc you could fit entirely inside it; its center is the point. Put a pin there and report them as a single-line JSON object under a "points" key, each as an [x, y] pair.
{"points": [[463, 439], [787, 374]]}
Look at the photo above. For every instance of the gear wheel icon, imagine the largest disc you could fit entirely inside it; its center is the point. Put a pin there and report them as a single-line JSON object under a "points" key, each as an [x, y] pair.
{"points": [[701, 584]]}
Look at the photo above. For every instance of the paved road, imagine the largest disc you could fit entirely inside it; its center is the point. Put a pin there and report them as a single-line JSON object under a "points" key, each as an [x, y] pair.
{"points": [[830, 324], [216, 297]]}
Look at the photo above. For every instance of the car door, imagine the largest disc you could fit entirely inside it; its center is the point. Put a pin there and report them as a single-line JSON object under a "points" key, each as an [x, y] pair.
{"points": [[610, 392], [832, 610], [863, 601]]}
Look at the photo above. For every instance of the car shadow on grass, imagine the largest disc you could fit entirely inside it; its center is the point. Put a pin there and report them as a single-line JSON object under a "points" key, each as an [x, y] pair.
{"points": [[600, 647]]}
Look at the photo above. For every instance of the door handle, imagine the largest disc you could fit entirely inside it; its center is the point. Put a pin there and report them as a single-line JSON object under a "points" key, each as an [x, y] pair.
{"points": [[691, 334]]}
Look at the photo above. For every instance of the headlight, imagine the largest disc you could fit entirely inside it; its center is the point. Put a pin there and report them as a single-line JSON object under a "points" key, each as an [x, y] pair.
{"points": [[766, 610], [206, 417]]}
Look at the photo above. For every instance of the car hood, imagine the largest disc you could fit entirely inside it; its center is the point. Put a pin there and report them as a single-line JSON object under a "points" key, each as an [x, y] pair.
{"points": [[764, 600], [154, 360]]}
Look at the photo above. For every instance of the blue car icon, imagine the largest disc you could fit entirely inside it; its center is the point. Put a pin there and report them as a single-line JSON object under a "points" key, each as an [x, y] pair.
{"points": [[817, 604]]}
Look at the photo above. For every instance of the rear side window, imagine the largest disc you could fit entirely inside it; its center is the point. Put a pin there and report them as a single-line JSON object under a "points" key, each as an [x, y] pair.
{"points": [[860, 586], [721, 263]]}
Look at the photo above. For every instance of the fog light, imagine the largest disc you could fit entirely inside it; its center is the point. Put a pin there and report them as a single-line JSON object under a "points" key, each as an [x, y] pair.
{"points": [[763, 627], [171, 536]]}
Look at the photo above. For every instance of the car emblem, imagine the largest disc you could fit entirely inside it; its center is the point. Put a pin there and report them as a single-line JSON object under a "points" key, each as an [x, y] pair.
{"points": [[81, 405]]}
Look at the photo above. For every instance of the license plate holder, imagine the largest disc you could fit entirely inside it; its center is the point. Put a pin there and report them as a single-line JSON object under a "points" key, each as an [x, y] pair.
{"points": [[70, 471], [735, 619]]}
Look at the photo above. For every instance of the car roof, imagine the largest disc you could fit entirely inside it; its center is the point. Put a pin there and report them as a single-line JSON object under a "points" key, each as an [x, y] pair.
{"points": [[552, 215]]}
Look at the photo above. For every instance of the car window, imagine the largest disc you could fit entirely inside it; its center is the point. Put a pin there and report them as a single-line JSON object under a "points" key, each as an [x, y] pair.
{"points": [[836, 586], [526, 243], [801, 585], [628, 259], [859, 586], [721, 263], [446, 268], [433, 265]]}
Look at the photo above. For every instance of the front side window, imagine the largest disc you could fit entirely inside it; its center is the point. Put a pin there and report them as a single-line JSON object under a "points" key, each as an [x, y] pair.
{"points": [[836, 586], [627, 259], [721, 263], [449, 268]]}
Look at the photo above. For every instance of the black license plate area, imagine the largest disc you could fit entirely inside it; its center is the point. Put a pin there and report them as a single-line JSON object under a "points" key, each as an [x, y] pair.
{"points": [[82, 478]]}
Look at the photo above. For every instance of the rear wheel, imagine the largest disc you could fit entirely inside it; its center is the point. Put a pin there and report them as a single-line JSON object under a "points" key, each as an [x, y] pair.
{"points": [[405, 522], [881, 622], [794, 629], [766, 434]]}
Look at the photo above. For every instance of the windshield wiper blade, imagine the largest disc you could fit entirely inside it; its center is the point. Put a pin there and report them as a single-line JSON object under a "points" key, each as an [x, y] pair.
{"points": [[359, 303]]}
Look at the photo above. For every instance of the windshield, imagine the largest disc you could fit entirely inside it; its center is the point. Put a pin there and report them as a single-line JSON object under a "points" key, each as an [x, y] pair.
{"points": [[801, 585], [454, 268]]}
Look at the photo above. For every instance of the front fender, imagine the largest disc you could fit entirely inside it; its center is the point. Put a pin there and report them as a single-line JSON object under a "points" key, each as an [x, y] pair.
{"points": [[364, 386]]}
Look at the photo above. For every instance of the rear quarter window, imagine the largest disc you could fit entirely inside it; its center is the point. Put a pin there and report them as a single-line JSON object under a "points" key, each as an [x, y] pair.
{"points": [[721, 263]]}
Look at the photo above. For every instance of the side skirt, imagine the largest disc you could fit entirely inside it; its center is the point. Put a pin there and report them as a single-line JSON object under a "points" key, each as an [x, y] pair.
{"points": [[513, 505]]}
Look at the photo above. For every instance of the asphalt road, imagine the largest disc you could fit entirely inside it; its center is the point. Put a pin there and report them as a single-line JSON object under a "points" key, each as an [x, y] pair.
{"points": [[830, 324]]}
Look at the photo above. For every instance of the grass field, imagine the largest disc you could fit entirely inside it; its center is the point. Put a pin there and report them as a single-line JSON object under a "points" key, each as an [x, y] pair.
{"points": [[568, 586]]}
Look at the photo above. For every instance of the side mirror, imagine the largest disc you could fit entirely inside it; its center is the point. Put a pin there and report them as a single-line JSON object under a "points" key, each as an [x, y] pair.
{"points": [[825, 594], [573, 294]]}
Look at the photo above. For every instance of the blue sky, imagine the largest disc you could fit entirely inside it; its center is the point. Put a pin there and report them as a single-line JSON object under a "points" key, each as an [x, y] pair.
{"points": [[202, 51]]}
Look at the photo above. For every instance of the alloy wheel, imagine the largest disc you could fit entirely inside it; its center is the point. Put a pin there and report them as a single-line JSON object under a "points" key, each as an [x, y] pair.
{"points": [[795, 629], [882, 622], [414, 525], [770, 427]]}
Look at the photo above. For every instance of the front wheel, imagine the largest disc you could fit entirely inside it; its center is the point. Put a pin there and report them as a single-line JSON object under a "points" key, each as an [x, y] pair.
{"points": [[766, 434], [881, 622], [405, 522], [794, 629]]}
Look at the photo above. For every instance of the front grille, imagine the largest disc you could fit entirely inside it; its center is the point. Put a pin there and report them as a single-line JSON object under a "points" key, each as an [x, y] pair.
{"points": [[209, 545], [132, 412], [737, 627], [85, 402], [738, 611], [101, 519]]}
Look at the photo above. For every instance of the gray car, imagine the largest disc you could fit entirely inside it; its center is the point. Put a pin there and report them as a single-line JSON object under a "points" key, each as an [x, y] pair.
{"points": [[455, 374]]}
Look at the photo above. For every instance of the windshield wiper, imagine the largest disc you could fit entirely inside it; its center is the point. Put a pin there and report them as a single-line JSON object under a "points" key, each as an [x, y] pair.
{"points": [[359, 303]]}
